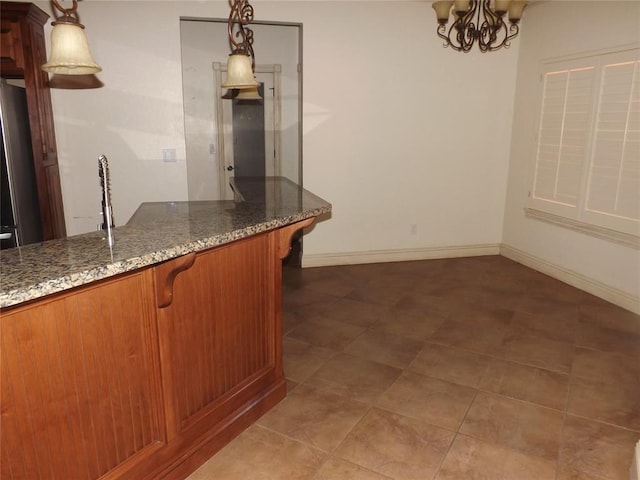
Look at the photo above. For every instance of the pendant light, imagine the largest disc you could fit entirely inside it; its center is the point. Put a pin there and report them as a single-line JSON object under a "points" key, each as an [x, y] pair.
{"points": [[69, 47], [241, 62]]}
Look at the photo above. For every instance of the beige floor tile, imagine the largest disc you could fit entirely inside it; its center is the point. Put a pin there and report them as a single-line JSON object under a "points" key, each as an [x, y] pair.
{"points": [[326, 333], [315, 417], [478, 315], [545, 300], [596, 449], [420, 303], [259, 454], [598, 312], [525, 345], [397, 446], [565, 473], [350, 311], [301, 359], [618, 404], [304, 297], [532, 384], [530, 429], [471, 459], [451, 364], [354, 377], [506, 351], [560, 325], [608, 367], [338, 469], [477, 338], [290, 320], [331, 283], [385, 348], [597, 337], [378, 294], [396, 321], [435, 401]]}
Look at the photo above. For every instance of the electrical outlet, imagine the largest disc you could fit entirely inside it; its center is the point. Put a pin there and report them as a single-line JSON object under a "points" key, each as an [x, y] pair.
{"points": [[414, 229]]}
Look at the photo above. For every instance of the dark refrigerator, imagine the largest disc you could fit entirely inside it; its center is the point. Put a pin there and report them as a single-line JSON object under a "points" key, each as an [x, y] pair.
{"points": [[20, 222]]}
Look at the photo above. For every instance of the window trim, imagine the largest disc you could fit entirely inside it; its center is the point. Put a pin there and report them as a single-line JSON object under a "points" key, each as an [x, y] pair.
{"points": [[622, 238], [576, 218]]}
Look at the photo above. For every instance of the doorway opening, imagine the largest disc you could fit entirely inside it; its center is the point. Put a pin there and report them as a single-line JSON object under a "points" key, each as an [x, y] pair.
{"points": [[249, 133]]}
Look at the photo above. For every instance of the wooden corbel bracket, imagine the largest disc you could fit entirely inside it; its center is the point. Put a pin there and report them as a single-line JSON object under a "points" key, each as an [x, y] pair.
{"points": [[285, 235], [165, 275]]}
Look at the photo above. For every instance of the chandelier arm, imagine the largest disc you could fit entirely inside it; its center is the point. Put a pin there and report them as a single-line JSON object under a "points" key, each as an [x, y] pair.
{"points": [[514, 29], [442, 28], [69, 15], [492, 24], [465, 31]]}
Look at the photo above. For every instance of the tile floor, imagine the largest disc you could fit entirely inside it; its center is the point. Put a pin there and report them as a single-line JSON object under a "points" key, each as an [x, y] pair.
{"points": [[472, 368]]}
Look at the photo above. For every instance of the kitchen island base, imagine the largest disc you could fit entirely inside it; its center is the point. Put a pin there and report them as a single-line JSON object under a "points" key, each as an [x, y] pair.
{"points": [[144, 375]]}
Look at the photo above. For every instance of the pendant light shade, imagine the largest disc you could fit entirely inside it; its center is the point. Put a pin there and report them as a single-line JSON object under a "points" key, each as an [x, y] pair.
{"points": [[239, 72], [70, 51], [248, 94]]}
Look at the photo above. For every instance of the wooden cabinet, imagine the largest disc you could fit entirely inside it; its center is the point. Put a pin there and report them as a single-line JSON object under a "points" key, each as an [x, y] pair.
{"points": [[22, 52], [80, 383], [146, 375]]}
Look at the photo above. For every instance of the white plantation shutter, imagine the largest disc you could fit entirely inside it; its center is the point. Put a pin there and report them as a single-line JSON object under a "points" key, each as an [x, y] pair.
{"points": [[587, 162], [613, 188], [563, 135]]}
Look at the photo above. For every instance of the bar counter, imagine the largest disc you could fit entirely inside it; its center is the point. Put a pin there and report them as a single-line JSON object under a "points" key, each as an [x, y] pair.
{"points": [[155, 233], [141, 360]]}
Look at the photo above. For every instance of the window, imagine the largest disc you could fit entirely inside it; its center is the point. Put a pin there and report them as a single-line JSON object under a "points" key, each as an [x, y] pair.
{"points": [[587, 162]]}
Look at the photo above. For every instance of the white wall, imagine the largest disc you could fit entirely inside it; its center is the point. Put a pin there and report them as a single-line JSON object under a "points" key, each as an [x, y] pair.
{"points": [[598, 264], [404, 131], [397, 130]]}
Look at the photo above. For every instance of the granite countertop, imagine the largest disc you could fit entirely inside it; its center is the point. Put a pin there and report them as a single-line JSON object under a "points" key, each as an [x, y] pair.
{"points": [[156, 232]]}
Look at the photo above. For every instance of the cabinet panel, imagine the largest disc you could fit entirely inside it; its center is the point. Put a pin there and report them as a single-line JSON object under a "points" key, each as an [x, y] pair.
{"points": [[80, 389], [23, 52], [220, 336]]}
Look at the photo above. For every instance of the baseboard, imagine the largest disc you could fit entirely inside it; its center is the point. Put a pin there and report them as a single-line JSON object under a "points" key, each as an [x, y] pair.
{"points": [[403, 255], [575, 279], [594, 287]]}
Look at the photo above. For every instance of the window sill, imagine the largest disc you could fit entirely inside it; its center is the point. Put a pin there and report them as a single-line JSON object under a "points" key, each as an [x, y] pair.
{"points": [[625, 239]]}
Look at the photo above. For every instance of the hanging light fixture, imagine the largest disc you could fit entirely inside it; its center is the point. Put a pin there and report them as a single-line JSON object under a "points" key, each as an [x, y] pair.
{"points": [[69, 47], [250, 94], [481, 21], [241, 62]]}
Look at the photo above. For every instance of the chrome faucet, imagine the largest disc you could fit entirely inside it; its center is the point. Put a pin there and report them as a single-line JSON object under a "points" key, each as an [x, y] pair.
{"points": [[107, 212]]}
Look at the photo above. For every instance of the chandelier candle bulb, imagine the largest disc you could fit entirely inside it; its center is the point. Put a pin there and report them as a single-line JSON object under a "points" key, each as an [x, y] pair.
{"points": [[442, 11], [502, 6], [461, 5], [515, 11]]}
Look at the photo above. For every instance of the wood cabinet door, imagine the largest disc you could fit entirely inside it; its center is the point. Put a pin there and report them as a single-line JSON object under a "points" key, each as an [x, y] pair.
{"points": [[220, 336], [80, 383]]}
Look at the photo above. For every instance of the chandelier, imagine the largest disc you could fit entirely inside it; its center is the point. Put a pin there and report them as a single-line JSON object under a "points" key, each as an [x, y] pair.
{"points": [[490, 23], [241, 62]]}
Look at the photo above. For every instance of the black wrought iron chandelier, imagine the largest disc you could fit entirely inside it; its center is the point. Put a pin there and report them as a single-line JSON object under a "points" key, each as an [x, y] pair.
{"points": [[492, 24], [241, 62]]}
